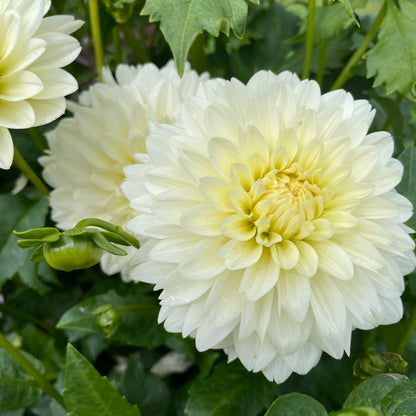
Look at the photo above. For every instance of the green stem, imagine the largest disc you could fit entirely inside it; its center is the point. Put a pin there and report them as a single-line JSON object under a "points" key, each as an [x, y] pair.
{"points": [[31, 370], [407, 332], [198, 57], [38, 138], [96, 35], [135, 45], [345, 75], [309, 39], [117, 46], [322, 55], [95, 222], [24, 167]]}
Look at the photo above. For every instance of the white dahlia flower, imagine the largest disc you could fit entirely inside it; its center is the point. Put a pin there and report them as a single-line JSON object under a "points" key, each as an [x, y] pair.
{"points": [[110, 124], [33, 49], [272, 221]]}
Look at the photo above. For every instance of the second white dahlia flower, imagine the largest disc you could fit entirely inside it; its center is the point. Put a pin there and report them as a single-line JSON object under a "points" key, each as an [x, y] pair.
{"points": [[110, 124], [273, 225], [33, 49]]}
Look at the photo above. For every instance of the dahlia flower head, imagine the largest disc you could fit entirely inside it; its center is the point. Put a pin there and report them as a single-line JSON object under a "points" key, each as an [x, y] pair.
{"points": [[33, 49], [271, 221], [89, 150]]}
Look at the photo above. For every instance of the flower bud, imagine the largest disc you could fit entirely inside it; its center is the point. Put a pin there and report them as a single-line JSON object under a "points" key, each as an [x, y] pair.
{"points": [[108, 318], [72, 252], [356, 411]]}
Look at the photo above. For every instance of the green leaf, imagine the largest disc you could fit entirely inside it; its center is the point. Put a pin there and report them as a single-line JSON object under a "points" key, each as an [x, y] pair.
{"points": [[17, 388], [231, 390], [114, 238], [17, 213], [36, 233], [400, 400], [371, 391], [392, 61], [144, 388], [182, 20], [350, 10], [86, 393], [37, 255], [407, 186], [103, 243], [137, 322], [357, 411], [296, 404]]}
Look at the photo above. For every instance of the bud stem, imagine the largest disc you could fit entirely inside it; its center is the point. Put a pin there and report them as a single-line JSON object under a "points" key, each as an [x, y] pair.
{"points": [[309, 39], [407, 332], [95, 222], [96, 35]]}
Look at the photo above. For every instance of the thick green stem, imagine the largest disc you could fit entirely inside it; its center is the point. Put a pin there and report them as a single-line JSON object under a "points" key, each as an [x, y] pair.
{"points": [[322, 55], [96, 35], [345, 75], [31, 370], [135, 45], [309, 39], [95, 222], [24, 167], [410, 326], [38, 138]]}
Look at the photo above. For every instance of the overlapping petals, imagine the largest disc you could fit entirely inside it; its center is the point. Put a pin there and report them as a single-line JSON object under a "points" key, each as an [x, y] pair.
{"points": [[110, 124], [33, 49], [272, 224]]}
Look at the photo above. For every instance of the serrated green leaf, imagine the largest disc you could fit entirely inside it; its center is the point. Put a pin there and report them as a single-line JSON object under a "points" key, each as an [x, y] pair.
{"points": [[392, 61], [17, 388], [17, 213], [138, 319], [231, 390], [86, 393], [371, 391], [182, 20], [407, 186], [296, 404], [103, 243]]}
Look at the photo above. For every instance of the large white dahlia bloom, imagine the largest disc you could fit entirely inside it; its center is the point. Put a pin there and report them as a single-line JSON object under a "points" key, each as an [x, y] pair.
{"points": [[33, 49], [110, 124], [272, 221]]}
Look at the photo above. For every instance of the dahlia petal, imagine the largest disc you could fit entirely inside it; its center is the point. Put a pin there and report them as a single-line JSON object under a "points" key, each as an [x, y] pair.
{"points": [[61, 51], [56, 83], [294, 293], [238, 227], [241, 176], [183, 291], [288, 254], [150, 272], [308, 259], [260, 278], [340, 219], [171, 250], [220, 121], [201, 261], [31, 16], [16, 114], [194, 316], [47, 110], [304, 359], [223, 153], [6, 149], [216, 190], [203, 219], [360, 250], [196, 166], [334, 260], [10, 24], [208, 335], [240, 255], [277, 370], [252, 142], [61, 23], [393, 310], [308, 94], [253, 353]]}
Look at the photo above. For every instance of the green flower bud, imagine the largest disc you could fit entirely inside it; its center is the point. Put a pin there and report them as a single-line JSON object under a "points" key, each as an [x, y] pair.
{"points": [[108, 318], [72, 252], [356, 411]]}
